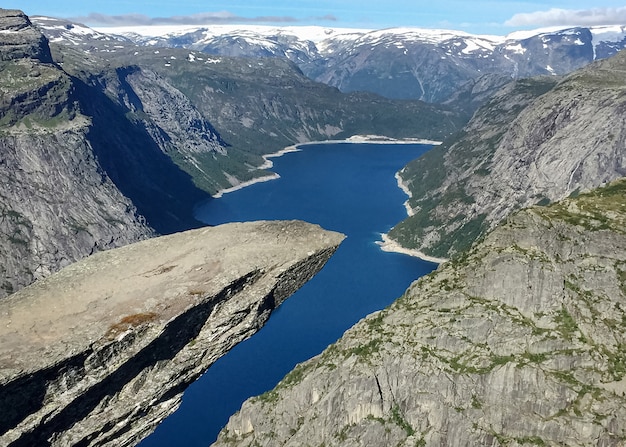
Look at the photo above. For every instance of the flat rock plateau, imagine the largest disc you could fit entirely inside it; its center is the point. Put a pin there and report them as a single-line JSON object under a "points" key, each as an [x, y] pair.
{"points": [[100, 352]]}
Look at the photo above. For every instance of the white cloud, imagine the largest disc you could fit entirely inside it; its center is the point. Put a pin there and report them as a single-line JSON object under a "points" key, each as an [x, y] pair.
{"points": [[204, 18], [570, 17]]}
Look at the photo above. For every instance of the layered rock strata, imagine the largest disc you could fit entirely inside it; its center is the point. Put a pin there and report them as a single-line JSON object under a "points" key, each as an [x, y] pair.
{"points": [[519, 342], [20, 39], [100, 352]]}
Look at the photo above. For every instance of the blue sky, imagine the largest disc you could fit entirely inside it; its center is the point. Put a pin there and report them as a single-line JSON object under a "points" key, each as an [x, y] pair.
{"points": [[482, 17]]}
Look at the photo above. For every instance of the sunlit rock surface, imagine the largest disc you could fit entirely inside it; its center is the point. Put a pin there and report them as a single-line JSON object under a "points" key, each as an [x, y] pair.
{"points": [[100, 352]]}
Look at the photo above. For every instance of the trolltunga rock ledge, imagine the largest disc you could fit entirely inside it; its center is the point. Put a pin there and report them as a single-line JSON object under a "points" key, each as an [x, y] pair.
{"points": [[100, 353]]}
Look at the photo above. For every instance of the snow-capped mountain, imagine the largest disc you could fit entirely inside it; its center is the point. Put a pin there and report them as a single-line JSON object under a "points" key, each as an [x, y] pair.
{"points": [[397, 62], [64, 31]]}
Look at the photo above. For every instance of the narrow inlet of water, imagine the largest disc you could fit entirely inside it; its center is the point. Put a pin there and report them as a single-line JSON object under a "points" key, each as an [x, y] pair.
{"points": [[346, 187]]}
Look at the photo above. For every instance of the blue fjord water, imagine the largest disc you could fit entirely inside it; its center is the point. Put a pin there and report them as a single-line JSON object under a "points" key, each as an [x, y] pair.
{"points": [[346, 187]]}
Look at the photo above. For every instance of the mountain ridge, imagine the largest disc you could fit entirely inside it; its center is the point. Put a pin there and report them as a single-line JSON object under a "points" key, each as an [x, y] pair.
{"points": [[392, 62]]}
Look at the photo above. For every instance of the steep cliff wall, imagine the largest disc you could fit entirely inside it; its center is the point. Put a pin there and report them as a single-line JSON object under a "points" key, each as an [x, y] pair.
{"points": [[57, 204], [536, 141], [56, 207], [100, 352], [519, 342]]}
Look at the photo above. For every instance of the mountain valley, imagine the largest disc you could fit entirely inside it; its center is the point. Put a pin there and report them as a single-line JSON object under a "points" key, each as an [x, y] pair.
{"points": [[158, 137], [111, 139]]}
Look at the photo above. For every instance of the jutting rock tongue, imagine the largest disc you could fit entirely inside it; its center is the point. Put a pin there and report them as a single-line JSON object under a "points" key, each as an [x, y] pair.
{"points": [[100, 352]]}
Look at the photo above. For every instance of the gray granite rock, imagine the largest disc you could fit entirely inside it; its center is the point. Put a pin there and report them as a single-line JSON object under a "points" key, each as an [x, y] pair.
{"points": [[20, 39], [536, 141], [100, 352]]}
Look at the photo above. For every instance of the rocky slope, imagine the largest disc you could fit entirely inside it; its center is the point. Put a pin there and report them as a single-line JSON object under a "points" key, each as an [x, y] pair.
{"points": [[21, 39], [100, 352], [536, 141], [519, 342]]}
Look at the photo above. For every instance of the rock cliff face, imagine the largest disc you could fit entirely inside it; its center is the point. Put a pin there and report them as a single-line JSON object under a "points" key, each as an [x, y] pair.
{"points": [[536, 141], [57, 204], [519, 342], [20, 39], [57, 209], [100, 352]]}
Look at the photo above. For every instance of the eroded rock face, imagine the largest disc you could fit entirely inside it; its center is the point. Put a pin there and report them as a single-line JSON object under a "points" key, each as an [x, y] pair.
{"points": [[520, 342], [57, 206], [100, 353]]}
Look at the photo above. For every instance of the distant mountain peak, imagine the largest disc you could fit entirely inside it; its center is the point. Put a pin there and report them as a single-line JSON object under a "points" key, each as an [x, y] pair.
{"points": [[404, 62], [20, 38]]}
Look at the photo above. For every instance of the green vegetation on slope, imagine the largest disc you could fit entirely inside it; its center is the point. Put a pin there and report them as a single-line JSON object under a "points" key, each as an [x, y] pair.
{"points": [[600, 209], [445, 182], [254, 106], [34, 94], [519, 341]]}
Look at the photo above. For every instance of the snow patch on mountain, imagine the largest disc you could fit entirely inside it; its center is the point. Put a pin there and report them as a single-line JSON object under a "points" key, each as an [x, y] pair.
{"points": [[390, 62], [615, 33], [310, 33]]}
